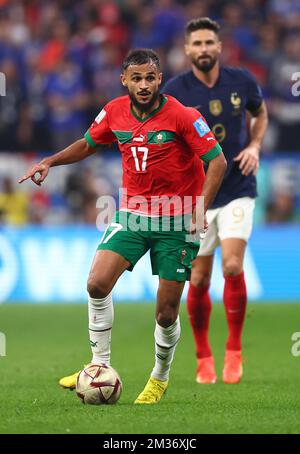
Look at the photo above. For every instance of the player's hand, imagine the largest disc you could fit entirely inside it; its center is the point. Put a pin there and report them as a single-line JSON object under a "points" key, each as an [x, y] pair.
{"points": [[249, 160], [195, 228], [37, 173]]}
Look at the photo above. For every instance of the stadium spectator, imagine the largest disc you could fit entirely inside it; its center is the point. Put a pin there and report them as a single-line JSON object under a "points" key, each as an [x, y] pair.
{"points": [[284, 105], [235, 25], [14, 204], [281, 208], [15, 121], [38, 111], [39, 203], [104, 64], [267, 49], [285, 13], [147, 34], [82, 190], [67, 100]]}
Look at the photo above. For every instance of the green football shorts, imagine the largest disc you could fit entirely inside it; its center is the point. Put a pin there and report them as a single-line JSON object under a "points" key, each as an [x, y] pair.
{"points": [[171, 250]]}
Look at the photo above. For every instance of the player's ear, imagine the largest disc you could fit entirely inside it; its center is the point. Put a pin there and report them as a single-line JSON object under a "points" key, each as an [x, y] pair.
{"points": [[123, 80], [187, 49], [220, 47], [160, 78]]}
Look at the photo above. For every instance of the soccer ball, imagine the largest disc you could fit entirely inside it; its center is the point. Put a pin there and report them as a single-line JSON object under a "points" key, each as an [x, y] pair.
{"points": [[98, 385]]}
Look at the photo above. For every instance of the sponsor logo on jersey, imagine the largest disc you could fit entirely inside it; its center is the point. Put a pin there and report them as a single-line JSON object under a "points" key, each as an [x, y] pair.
{"points": [[201, 127], [215, 107], [140, 138]]}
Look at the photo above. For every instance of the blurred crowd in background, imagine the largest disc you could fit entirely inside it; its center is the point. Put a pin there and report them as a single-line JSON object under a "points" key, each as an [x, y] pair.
{"points": [[62, 60]]}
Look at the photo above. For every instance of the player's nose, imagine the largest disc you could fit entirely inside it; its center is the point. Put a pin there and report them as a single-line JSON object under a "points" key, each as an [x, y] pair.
{"points": [[144, 84], [203, 49]]}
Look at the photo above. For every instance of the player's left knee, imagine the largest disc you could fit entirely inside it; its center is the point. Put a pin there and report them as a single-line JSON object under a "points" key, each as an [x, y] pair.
{"points": [[166, 318], [232, 266]]}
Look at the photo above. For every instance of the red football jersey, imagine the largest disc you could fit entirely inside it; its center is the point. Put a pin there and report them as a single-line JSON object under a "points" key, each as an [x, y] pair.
{"points": [[160, 154]]}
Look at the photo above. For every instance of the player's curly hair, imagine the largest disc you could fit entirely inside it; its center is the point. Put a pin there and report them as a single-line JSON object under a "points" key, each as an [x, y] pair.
{"points": [[201, 23], [141, 57]]}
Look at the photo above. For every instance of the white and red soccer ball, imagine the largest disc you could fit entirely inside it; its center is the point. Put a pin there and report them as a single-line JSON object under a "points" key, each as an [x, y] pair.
{"points": [[98, 385]]}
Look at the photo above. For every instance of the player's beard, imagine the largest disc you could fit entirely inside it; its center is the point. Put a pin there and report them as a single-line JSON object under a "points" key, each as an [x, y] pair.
{"points": [[144, 107], [205, 65]]}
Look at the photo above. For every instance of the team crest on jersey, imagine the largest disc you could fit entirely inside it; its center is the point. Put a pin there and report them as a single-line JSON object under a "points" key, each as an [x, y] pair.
{"points": [[215, 107], [160, 137], [183, 255], [235, 99], [236, 102]]}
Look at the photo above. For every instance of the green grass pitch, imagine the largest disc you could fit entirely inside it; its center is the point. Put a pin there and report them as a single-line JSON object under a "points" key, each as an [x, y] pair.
{"points": [[47, 342]]}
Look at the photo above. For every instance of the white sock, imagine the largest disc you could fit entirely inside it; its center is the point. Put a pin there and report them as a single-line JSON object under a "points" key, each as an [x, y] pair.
{"points": [[165, 344], [101, 316]]}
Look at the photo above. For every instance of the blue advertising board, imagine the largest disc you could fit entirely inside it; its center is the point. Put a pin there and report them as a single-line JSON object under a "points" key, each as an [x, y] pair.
{"points": [[51, 264]]}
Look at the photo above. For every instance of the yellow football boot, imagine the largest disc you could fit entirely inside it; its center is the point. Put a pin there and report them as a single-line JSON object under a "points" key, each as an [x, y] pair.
{"points": [[69, 382], [152, 392]]}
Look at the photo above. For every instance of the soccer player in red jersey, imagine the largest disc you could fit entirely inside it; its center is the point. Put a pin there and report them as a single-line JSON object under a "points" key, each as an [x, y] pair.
{"points": [[226, 96], [161, 143]]}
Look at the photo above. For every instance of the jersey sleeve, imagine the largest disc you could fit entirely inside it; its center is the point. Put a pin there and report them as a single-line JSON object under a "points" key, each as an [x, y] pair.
{"points": [[255, 97], [99, 132], [197, 134]]}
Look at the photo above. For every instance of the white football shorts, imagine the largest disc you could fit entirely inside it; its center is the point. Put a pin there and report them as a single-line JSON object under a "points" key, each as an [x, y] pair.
{"points": [[233, 220]]}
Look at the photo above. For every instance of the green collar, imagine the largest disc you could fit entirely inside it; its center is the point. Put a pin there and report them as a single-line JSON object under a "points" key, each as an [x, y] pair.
{"points": [[161, 104]]}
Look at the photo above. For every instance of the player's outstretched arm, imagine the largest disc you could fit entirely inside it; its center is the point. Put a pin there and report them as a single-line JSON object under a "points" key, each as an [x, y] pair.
{"points": [[73, 153]]}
